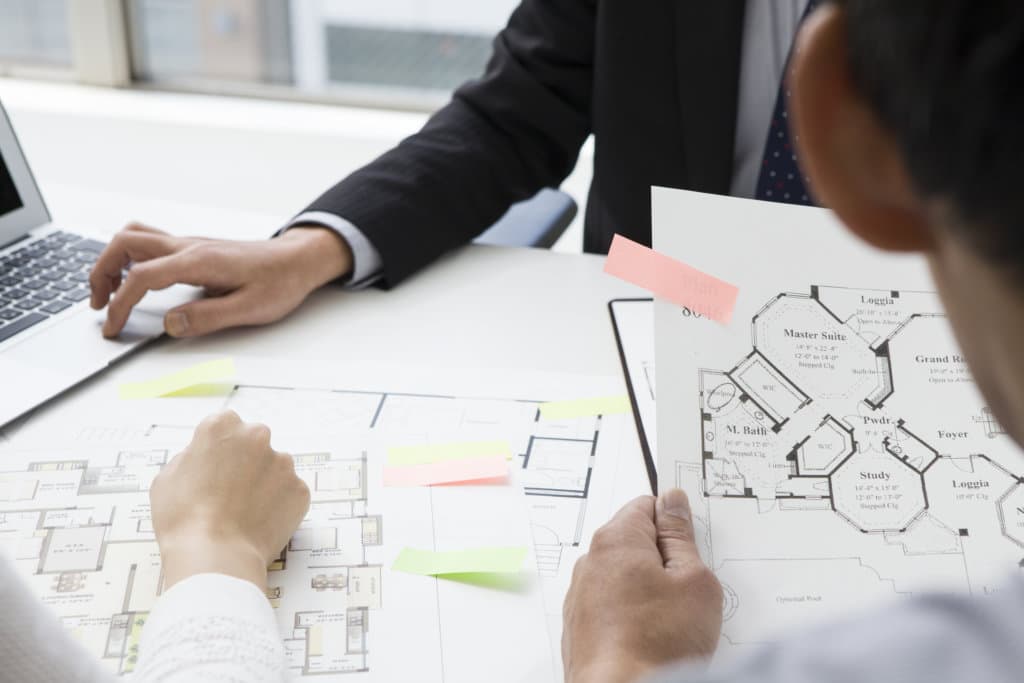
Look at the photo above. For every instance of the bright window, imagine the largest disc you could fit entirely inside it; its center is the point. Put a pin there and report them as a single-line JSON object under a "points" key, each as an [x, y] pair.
{"points": [[35, 32], [385, 51]]}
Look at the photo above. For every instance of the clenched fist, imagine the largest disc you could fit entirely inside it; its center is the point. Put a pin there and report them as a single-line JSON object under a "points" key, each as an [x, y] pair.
{"points": [[227, 504]]}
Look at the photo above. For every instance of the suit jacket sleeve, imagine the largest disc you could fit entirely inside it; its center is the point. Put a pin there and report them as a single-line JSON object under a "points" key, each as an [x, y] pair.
{"points": [[502, 138]]}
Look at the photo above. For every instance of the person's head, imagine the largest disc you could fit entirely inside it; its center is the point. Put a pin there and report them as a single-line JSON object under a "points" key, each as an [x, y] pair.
{"points": [[909, 116]]}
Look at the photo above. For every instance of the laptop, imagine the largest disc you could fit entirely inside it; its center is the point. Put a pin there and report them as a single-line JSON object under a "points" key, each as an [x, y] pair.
{"points": [[50, 338]]}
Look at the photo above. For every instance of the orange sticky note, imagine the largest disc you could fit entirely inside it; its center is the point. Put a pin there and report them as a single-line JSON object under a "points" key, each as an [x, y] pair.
{"points": [[670, 279], [447, 472]]}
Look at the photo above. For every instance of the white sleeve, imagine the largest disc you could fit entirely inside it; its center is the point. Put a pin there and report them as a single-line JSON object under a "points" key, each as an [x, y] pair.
{"points": [[34, 648], [211, 627], [366, 261]]}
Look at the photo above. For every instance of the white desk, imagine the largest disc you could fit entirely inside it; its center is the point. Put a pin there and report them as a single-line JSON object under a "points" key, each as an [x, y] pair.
{"points": [[479, 307]]}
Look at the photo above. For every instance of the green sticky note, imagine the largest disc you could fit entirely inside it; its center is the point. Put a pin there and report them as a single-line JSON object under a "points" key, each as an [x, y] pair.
{"points": [[197, 380], [447, 562], [584, 407], [433, 453]]}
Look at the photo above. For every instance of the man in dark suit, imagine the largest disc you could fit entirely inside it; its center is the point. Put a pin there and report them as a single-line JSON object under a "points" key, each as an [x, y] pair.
{"points": [[678, 93]]}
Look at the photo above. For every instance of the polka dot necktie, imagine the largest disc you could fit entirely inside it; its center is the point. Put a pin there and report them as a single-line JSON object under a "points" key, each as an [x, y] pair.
{"points": [[780, 179]]}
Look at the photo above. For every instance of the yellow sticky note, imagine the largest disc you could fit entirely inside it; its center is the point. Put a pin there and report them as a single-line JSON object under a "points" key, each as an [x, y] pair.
{"points": [[506, 560], [441, 452], [566, 410], [194, 381]]}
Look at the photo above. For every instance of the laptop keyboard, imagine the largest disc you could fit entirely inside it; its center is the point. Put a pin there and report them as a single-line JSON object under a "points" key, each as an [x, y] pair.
{"points": [[44, 278]]}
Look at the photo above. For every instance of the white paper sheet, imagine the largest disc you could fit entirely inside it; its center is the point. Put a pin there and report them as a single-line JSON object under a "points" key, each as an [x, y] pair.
{"points": [[76, 476], [833, 443]]}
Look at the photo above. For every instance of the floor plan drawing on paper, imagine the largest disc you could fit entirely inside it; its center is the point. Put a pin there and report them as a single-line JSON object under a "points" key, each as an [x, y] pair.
{"points": [[77, 524], [556, 457], [75, 518], [847, 456]]}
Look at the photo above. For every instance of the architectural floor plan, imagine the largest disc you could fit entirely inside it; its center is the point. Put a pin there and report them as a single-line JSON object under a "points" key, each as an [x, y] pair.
{"points": [[556, 458], [75, 518], [833, 441], [824, 419]]}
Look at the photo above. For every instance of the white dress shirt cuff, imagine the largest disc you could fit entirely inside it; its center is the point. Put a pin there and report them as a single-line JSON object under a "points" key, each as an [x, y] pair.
{"points": [[367, 264], [212, 627]]}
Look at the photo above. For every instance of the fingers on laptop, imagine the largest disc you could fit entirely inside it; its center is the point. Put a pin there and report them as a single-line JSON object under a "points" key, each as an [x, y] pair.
{"points": [[134, 244], [155, 273], [236, 284]]}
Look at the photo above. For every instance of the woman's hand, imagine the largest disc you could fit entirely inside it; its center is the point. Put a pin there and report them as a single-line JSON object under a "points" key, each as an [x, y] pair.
{"points": [[227, 504]]}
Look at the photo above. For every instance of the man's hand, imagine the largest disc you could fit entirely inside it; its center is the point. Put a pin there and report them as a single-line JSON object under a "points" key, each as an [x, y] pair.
{"points": [[641, 597], [227, 504], [247, 283]]}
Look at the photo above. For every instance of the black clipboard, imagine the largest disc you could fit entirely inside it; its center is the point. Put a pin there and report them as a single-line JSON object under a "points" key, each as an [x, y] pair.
{"points": [[645, 446]]}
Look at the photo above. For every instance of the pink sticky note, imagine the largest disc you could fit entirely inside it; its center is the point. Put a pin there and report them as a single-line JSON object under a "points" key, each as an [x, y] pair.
{"points": [[447, 471], [670, 279]]}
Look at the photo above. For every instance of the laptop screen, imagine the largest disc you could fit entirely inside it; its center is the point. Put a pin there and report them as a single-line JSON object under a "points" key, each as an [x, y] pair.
{"points": [[9, 198]]}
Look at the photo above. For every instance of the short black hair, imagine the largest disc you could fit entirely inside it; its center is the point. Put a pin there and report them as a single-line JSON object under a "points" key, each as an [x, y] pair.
{"points": [[946, 78]]}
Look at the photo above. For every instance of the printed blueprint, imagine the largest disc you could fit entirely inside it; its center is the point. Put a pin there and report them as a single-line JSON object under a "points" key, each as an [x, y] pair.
{"points": [[74, 515], [833, 442]]}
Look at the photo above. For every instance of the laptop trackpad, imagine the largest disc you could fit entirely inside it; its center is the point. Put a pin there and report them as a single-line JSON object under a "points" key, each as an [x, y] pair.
{"points": [[73, 346], [76, 345]]}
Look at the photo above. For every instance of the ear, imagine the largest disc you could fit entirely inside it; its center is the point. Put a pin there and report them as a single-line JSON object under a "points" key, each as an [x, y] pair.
{"points": [[854, 164]]}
